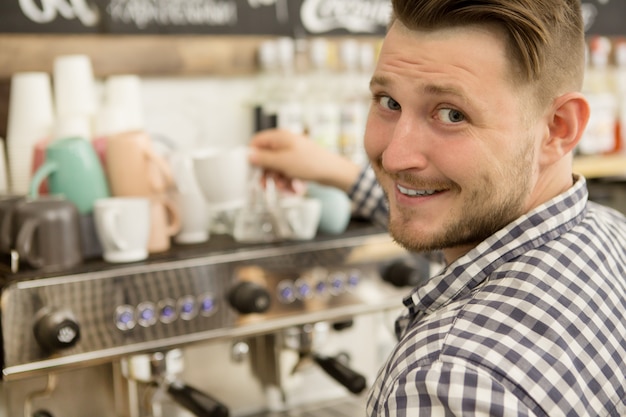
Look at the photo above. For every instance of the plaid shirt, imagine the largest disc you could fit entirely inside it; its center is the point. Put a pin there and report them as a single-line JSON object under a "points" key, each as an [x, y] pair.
{"points": [[531, 322], [368, 199]]}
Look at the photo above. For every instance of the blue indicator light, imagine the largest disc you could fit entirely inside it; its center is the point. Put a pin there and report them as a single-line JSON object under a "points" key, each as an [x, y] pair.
{"points": [[147, 314], [287, 293], [167, 311], [207, 304], [305, 290], [353, 280], [126, 317]]}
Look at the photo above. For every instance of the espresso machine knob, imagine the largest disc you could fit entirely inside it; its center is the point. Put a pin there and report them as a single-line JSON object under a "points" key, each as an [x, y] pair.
{"points": [[406, 272], [56, 330], [248, 297]]}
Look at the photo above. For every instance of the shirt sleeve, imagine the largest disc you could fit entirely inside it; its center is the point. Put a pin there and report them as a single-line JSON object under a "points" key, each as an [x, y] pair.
{"points": [[443, 389], [368, 199]]}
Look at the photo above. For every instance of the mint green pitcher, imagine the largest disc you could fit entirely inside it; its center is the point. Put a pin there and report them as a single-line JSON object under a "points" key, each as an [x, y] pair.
{"points": [[74, 171]]}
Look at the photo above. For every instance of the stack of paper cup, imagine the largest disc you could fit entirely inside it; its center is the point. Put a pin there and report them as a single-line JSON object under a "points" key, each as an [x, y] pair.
{"points": [[74, 87], [122, 107], [31, 119]]}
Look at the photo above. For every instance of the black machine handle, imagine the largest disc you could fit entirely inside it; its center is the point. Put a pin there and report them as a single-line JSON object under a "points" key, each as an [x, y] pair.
{"points": [[197, 402], [406, 272], [352, 380]]}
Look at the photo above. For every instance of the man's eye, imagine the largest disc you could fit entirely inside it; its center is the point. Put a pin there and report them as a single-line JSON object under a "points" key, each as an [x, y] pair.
{"points": [[389, 103], [450, 116]]}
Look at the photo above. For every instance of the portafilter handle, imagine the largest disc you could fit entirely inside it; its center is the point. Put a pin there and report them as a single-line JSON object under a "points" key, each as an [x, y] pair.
{"points": [[197, 402], [349, 378]]}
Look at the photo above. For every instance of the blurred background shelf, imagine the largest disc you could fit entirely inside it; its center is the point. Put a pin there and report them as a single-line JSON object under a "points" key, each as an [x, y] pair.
{"points": [[600, 166]]}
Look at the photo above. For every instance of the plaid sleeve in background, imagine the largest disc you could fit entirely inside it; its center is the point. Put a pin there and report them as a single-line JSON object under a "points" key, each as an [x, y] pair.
{"points": [[368, 199]]}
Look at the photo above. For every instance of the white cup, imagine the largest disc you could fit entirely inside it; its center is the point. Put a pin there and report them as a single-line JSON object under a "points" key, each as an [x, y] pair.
{"points": [[303, 215], [123, 93], [222, 175], [336, 208], [74, 86], [30, 119], [123, 226], [194, 212]]}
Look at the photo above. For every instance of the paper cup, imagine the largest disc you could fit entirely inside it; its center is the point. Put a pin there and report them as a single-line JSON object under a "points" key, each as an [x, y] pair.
{"points": [[31, 119]]}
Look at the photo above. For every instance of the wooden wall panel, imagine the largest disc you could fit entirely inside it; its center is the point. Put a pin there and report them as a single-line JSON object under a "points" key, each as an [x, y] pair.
{"points": [[145, 55]]}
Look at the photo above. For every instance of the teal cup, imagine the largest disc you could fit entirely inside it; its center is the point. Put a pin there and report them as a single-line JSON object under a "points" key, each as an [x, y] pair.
{"points": [[74, 171], [336, 208]]}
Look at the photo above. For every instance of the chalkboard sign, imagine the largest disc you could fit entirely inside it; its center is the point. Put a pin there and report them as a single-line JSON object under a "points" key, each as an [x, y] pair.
{"points": [[245, 17], [605, 17]]}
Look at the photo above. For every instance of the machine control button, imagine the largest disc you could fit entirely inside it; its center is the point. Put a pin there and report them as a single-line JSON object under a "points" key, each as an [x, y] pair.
{"points": [[248, 297], [337, 283], [187, 307], [207, 304], [321, 288], [286, 292], [167, 310], [303, 288], [56, 330], [125, 317], [353, 279], [146, 314]]}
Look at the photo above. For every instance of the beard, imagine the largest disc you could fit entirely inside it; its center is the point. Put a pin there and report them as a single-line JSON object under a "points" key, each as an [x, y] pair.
{"points": [[486, 207]]}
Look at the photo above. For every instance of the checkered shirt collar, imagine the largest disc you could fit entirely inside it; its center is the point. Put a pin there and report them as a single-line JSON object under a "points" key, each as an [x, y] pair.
{"points": [[532, 230]]}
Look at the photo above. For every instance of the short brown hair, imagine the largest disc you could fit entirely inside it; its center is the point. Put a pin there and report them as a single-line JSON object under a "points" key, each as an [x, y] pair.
{"points": [[546, 37]]}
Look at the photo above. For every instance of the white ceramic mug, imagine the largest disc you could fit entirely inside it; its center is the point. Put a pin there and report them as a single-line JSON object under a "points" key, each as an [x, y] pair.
{"points": [[194, 212], [303, 215], [222, 175], [123, 226]]}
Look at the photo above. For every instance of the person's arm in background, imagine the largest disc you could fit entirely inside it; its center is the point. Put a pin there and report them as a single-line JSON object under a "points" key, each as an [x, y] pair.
{"points": [[291, 158], [287, 157]]}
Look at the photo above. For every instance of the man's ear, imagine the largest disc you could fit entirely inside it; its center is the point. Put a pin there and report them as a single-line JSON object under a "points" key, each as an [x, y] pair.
{"points": [[568, 120]]}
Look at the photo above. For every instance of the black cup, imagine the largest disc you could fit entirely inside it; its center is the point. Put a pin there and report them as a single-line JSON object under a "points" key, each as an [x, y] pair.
{"points": [[47, 233]]}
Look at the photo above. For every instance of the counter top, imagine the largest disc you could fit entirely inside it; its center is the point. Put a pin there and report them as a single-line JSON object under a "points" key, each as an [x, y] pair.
{"points": [[216, 246]]}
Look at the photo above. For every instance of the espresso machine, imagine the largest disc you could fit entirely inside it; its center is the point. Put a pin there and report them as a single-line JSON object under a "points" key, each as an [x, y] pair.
{"points": [[214, 329]]}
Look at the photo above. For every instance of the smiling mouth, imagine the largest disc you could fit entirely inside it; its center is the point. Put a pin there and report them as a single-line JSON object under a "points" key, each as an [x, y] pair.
{"points": [[417, 193]]}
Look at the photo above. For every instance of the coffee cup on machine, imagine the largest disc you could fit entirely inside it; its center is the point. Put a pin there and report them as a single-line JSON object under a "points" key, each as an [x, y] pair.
{"points": [[222, 174], [7, 205], [165, 222], [336, 208], [133, 167], [195, 219], [46, 233], [74, 171], [123, 226]]}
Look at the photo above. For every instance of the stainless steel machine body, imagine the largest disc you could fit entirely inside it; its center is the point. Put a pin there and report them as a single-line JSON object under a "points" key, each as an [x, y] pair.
{"points": [[216, 320]]}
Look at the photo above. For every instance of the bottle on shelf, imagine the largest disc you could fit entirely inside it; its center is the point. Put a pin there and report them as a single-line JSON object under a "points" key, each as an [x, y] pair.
{"points": [[322, 111], [620, 88], [600, 135], [285, 101], [356, 61]]}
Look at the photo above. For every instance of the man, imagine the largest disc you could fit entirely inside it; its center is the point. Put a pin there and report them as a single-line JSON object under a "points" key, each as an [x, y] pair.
{"points": [[476, 115]]}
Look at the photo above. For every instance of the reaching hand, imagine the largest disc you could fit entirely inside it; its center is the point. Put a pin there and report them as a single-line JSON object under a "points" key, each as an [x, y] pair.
{"points": [[288, 157]]}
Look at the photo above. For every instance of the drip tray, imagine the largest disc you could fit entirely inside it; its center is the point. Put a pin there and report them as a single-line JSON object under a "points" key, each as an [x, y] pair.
{"points": [[350, 407]]}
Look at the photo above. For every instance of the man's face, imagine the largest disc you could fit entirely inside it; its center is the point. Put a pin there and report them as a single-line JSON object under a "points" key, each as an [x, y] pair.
{"points": [[449, 138]]}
